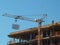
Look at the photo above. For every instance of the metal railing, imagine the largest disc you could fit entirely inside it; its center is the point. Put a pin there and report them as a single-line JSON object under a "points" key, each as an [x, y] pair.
{"points": [[17, 41]]}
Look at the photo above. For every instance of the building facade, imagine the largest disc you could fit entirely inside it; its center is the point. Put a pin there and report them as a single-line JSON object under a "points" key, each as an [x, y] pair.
{"points": [[50, 35]]}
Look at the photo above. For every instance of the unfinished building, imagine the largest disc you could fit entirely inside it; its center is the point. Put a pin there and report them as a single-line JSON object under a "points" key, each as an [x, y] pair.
{"points": [[50, 35]]}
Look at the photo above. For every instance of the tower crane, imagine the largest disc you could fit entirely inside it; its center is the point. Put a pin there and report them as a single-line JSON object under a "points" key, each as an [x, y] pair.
{"points": [[39, 21], [16, 17]]}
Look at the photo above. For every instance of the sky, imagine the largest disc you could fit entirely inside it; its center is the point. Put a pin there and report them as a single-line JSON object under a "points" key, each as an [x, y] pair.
{"points": [[27, 8]]}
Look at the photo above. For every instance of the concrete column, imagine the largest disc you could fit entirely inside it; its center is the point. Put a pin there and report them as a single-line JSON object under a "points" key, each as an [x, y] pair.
{"points": [[14, 40], [19, 40], [30, 38]]}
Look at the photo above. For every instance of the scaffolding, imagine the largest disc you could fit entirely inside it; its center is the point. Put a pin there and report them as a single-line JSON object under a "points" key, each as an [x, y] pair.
{"points": [[49, 35]]}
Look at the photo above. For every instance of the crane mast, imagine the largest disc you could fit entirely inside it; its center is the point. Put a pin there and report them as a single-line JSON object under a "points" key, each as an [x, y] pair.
{"points": [[39, 21]]}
